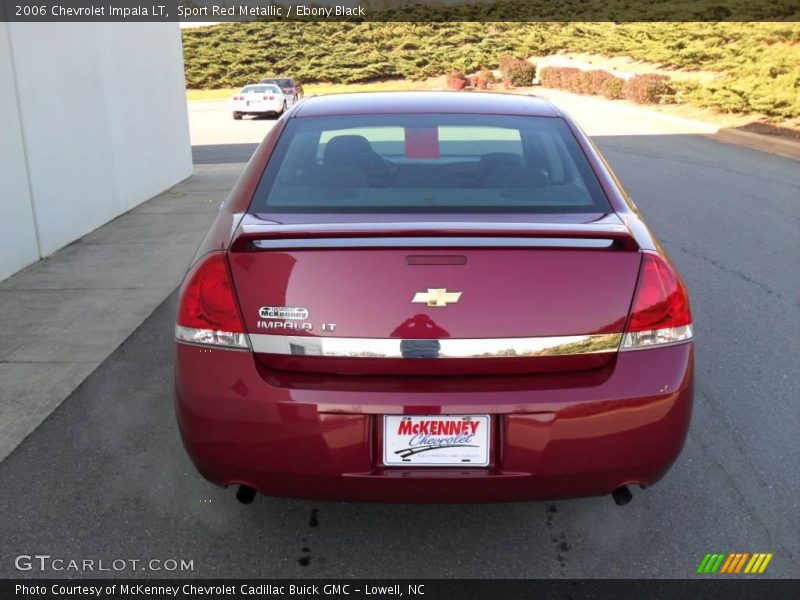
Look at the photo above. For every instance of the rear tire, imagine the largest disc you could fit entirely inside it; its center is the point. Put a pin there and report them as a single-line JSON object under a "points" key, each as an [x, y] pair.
{"points": [[237, 116]]}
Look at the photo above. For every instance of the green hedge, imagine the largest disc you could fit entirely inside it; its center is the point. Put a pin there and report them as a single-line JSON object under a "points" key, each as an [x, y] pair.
{"points": [[759, 63]]}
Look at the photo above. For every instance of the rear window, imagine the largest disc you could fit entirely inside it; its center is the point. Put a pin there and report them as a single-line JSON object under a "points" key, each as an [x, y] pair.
{"points": [[259, 89], [281, 82], [428, 163]]}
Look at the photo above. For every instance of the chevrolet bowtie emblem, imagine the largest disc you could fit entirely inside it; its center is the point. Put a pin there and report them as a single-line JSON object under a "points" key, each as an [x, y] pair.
{"points": [[436, 297]]}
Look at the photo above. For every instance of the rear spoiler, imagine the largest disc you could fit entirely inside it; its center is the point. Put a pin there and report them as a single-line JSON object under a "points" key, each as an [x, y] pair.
{"points": [[254, 234]]}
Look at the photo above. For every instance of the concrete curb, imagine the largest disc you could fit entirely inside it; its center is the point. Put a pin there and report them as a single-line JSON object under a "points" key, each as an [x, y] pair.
{"points": [[757, 141]]}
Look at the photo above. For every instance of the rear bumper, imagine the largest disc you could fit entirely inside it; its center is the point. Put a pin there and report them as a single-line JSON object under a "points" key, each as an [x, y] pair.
{"points": [[319, 436], [258, 109]]}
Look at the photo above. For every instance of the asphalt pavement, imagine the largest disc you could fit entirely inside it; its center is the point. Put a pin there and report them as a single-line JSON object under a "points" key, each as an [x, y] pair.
{"points": [[105, 475]]}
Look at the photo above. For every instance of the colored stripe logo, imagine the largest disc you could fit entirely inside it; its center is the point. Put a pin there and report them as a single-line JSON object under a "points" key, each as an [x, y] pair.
{"points": [[734, 563]]}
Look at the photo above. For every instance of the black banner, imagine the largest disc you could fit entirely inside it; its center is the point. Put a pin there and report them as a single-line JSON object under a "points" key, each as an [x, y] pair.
{"points": [[423, 589], [397, 10]]}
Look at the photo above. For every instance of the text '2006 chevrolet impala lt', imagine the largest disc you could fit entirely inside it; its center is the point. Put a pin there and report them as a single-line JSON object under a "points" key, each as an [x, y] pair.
{"points": [[440, 297]]}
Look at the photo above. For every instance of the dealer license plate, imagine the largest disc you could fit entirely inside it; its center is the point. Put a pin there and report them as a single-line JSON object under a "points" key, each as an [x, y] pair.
{"points": [[436, 440]]}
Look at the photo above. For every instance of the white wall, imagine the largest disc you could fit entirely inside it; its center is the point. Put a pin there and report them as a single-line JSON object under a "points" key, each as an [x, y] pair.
{"points": [[18, 246], [101, 108]]}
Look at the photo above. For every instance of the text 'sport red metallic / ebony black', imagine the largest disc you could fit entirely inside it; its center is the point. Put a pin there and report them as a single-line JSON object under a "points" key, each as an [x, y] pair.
{"points": [[431, 297]]}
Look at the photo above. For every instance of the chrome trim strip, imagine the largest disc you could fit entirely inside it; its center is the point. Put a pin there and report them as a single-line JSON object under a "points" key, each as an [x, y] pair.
{"points": [[433, 242], [443, 348]]}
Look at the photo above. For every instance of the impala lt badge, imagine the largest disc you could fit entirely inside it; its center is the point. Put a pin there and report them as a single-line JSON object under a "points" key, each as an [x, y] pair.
{"points": [[436, 297]]}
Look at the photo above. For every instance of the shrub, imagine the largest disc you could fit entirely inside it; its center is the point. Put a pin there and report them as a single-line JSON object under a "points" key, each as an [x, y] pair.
{"points": [[598, 80], [647, 89], [568, 78], [519, 73], [456, 80], [550, 77], [505, 62], [613, 89], [482, 80], [583, 82]]}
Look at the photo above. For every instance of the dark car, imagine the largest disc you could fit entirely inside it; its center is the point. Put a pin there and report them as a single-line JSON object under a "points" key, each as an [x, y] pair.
{"points": [[440, 297], [289, 86]]}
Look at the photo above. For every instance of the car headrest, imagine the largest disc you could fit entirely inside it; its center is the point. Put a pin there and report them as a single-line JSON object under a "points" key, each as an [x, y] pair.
{"points": [[346, 149]]}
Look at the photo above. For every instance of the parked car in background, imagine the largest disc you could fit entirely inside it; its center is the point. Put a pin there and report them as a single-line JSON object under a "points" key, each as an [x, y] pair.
{"points": [[259, 100], [432, 296], [291, 88]]}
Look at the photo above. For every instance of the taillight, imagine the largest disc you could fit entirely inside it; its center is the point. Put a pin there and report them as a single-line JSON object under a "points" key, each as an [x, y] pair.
{"points": [[207, 311], [661, 313]]}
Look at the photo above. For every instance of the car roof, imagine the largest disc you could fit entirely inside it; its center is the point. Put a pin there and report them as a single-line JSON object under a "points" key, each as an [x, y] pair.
{"points": [[425, 102]]}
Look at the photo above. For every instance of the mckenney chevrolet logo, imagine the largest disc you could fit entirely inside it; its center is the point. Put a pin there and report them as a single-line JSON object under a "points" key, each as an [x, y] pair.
{"points": [[436, 440], [437, 427], [734, 562], [435, 434], [436, 297]]}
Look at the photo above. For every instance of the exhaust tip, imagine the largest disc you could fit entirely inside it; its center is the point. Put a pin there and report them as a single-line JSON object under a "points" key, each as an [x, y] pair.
{"points": [[622, 495], [245, 494]]}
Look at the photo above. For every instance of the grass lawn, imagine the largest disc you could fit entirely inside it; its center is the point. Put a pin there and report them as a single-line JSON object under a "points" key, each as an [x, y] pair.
{"points": [[331, 88]]}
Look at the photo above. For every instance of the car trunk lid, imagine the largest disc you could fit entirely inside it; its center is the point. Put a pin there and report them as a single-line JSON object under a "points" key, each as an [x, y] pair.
{"points": [[456, 297]]}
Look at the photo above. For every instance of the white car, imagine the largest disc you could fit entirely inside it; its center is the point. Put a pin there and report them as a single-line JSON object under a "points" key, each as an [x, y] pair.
{"points": [[258, 99]]}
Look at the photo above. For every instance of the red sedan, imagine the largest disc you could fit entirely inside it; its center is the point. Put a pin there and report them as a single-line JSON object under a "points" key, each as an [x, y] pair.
{"points": [[440, 297]]}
